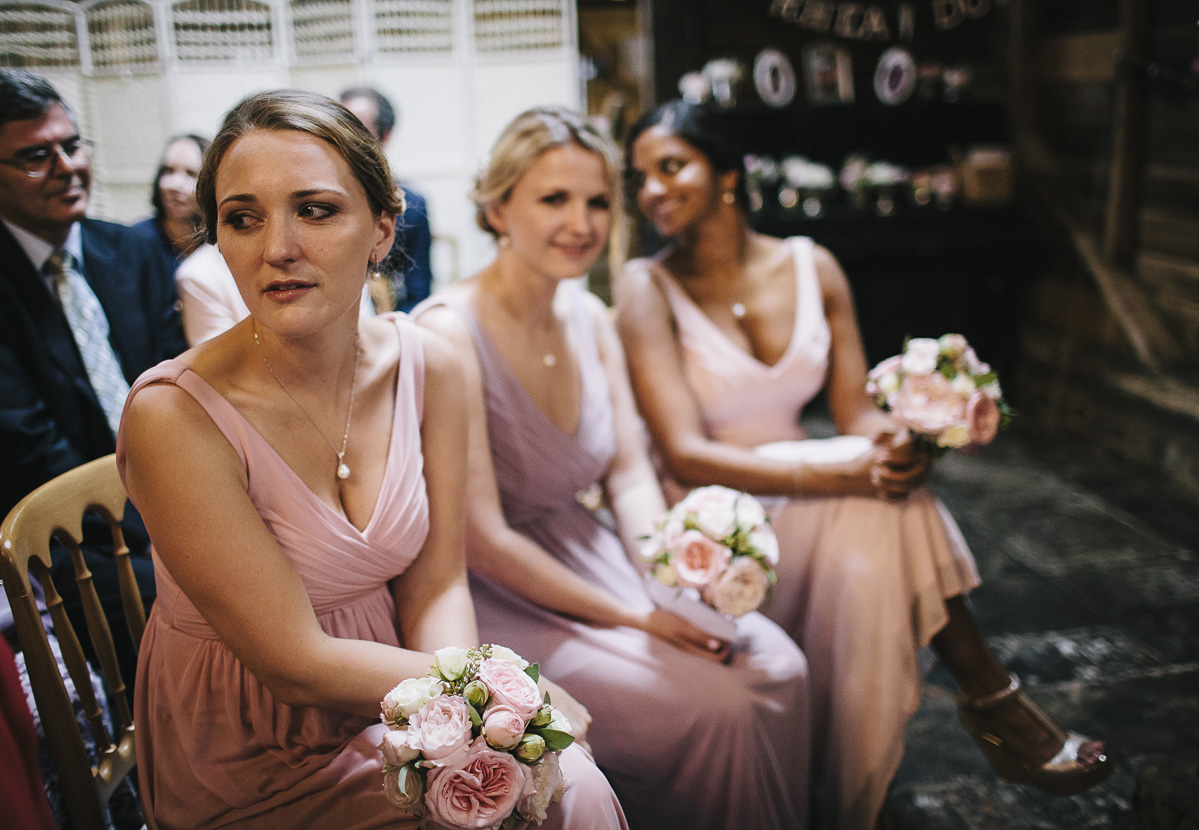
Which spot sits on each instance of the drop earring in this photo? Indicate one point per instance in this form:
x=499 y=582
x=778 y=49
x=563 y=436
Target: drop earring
x=503 y=240
x=379 y=289
x=728 y=197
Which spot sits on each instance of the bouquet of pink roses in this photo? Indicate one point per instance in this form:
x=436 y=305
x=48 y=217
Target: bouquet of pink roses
x=718 y=543
x=473 y=744
x=941 y=391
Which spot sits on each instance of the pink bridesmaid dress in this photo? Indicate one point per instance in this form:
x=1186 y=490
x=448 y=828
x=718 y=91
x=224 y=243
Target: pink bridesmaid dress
x=862 y=582
x=687 y=743
x=214 y=747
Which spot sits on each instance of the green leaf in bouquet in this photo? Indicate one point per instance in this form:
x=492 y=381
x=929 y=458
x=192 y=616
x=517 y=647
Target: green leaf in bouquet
x=545 y=700
x=475 y=719
x=983 y=380
x=533 y=671
x=555 y=739
x=406 y=773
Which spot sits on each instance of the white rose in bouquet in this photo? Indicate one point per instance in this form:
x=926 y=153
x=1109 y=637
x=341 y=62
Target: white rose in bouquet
x=406 y=699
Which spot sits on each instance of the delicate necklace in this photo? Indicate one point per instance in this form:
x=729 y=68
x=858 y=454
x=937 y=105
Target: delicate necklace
x=343 y=470
x=738 y=310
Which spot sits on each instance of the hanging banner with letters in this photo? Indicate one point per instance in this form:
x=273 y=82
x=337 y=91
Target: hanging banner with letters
x=874 y=21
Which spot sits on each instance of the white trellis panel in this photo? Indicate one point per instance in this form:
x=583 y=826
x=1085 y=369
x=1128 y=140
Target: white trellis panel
x=39 y=35
x=122 y=36
x=238 y=31
x=323 y=30
x=140 y=71
x=414 y=27
x=519 y=25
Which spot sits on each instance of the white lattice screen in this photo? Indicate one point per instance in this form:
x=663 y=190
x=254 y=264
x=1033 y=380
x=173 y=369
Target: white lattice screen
x=139 y=71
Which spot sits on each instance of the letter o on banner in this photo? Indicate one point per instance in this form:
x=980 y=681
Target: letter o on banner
x=774 y=78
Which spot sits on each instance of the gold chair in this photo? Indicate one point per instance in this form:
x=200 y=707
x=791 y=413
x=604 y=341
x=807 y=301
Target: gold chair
x=55 y=511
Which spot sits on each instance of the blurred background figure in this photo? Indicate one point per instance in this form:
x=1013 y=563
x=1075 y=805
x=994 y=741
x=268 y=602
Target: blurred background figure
x=408 y=266
x=85 y=307
x=175 y=225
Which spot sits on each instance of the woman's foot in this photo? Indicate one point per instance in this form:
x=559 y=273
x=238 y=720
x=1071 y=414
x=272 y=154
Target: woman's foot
x=1025 y=746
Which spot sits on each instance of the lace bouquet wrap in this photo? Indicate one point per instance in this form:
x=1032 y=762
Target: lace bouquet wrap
x=473 y=744
x=716 y=545
x=941 y=391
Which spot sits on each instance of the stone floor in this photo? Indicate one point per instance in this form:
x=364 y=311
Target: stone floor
x=1091 y=593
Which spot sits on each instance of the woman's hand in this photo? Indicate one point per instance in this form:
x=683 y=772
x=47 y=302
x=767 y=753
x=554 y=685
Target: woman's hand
x=900 y=465
x=682 y=634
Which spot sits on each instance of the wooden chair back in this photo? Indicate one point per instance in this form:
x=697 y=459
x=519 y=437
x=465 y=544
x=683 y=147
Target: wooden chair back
x=55 y=511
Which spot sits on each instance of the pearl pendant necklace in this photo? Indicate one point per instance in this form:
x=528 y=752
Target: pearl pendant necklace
x=549 y=359
x=343 y=469
x=738 y=310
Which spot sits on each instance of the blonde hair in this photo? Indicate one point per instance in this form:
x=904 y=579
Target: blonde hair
x=315 y=115
x=529 y=136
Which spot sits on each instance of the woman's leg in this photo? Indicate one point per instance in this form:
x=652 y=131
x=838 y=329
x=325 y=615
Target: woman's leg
x=991 y=702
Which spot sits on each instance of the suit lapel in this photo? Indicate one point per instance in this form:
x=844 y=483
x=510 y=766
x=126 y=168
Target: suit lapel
x=44 y=313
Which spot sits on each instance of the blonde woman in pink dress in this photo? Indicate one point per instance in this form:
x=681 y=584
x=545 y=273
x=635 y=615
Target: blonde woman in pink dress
x=301 y=477
x=694 y=733
x=729 y=334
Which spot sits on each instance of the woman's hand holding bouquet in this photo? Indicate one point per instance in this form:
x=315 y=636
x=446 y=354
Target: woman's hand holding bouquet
x=941 y=391
x=716 y=544
x=474 y=744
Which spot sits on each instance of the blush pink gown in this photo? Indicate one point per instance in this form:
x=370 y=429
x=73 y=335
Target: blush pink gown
x=862 y=582
x=687 y=743
x=214 y=748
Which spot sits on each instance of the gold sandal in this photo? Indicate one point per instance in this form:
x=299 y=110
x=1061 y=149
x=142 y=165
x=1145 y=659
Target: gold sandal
x=1066 y=773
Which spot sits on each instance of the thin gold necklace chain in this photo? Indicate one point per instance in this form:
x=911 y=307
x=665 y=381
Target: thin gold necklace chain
x=343 y=470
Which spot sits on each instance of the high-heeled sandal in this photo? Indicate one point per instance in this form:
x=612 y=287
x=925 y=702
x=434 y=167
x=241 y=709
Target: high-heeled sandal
x=1063 y=774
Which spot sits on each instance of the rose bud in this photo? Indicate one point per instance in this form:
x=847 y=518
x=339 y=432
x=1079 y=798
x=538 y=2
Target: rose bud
x=544 y=716
x=476 y=694
x=530 y=748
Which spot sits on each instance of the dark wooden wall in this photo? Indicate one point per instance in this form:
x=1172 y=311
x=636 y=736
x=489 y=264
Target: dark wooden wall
x=1105 y=113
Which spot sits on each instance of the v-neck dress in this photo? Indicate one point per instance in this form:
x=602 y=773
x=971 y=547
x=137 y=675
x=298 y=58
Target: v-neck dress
x=214 y=746
x=686 y=742
x=862 y=582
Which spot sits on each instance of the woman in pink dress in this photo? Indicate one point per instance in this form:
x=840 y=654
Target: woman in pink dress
x=729 y=334
x=301 y=476
x=694 y=733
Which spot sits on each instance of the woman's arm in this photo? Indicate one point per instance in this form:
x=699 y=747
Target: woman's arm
x=433 y=604
x=507 y=557
x=899 y=465
x=209 y=300
x=190 y=486
x=650 y=338
x=632 y=485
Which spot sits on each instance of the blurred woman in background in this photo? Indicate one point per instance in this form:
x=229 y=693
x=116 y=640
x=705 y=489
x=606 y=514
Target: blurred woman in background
x=176 y=224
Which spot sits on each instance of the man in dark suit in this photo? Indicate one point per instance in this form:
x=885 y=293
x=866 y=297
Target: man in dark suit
x=84 y=309
x=409 y=261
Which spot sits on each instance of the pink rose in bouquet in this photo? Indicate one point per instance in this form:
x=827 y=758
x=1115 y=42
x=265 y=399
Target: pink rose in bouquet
x=928 y=404
x=699 y=561
x=717 y=544
x=502 y=727
x=941 y=391
x=474 y=744
x=740 y=589
x=984 y=416
x=510 y=686
x=442 y=726
x=477 y=787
